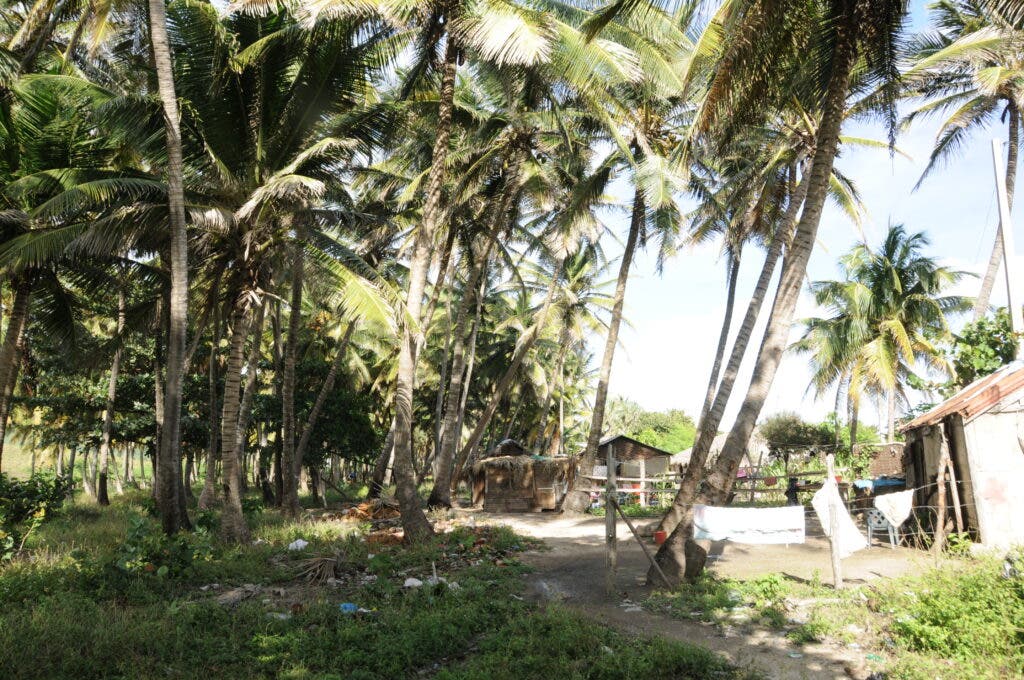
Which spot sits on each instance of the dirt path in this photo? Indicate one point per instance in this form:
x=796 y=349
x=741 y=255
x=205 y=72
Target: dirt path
x=573 y=572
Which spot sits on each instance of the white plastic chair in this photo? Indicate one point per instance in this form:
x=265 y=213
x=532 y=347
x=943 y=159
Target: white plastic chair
x=877 y=522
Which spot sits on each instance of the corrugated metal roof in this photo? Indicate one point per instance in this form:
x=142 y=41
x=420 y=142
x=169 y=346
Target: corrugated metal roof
x=977 y=398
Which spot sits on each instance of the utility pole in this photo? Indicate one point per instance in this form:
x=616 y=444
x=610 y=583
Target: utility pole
x=1006 y=229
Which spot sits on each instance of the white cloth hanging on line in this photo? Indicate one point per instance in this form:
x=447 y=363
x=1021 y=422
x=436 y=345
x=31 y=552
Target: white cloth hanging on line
x=896 y=507
x=849 y=538
x=759 y=526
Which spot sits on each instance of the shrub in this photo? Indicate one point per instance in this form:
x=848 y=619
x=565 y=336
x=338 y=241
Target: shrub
x=27 y=502
x=146 y=550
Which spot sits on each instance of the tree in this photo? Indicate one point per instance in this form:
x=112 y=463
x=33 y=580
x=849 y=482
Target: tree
x=980 y=348
x=854 y=28
x=172 y=512
x=972 y=68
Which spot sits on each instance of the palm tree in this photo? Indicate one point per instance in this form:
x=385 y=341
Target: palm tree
x=887 y=315
x=172 y=513
x=855 y=29
x=971 y=67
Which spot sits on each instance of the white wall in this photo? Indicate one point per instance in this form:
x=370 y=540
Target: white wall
x=997 y=472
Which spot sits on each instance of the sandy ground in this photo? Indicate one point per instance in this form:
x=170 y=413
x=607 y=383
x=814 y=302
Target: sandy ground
x=573 y=571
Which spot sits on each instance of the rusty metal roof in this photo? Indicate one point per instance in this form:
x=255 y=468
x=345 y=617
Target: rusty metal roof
x=977 y=398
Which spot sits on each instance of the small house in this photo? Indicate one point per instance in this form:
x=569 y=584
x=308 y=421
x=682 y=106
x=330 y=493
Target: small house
x=638 y=468
x=983 y=427
x=511 y=479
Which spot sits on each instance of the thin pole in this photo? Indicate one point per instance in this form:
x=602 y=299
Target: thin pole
x=609 y=523
x=1006 y=230
x=833 y=521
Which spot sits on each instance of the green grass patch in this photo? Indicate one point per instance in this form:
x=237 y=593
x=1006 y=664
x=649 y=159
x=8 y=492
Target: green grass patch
x=961 y=618
x=100 y=593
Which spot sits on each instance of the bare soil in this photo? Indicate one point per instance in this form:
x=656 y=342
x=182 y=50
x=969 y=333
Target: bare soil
x=573 y=572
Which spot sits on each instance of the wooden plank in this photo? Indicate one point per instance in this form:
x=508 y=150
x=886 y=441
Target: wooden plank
x=650 y=558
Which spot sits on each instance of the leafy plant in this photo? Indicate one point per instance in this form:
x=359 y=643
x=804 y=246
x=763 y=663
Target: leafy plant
x=146 y=550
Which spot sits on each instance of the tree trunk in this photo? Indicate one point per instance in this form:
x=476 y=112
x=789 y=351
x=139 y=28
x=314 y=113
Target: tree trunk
x=723 y=337
x=680 y=556
x=440 y=496
x=108 y=412
x=208 y=496
x=173 y=515
x=707 y=429
x=249 y=391
x=415 y=523
x=524 y=345
x=233 y=522
x=291 y=466
x=11 y=351
x=989 y=280
x=890 y=431
x=380 y=467
x=464 y=397
x=325 y=390
x=636 y=224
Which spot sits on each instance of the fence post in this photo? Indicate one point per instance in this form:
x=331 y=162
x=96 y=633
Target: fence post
x=609 y=522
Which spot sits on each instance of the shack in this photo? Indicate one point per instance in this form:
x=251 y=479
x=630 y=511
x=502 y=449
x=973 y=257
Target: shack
x=640 y=468
x=982 y=426
x=512 y=479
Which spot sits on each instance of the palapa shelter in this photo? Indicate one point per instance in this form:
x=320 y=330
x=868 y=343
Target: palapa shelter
x=636 y=464
x=511 y=479
x=983 y=427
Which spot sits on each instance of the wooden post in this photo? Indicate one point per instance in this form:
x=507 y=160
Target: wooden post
x=609 y=522
x=940 y=481
x=643 y=482
x=833 y=521
x=955 y=492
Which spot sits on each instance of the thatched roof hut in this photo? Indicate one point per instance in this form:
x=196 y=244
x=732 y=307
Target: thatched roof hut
x=519 y=483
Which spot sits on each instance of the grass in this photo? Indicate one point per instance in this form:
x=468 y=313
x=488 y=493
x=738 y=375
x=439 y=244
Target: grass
x=960 y=619
x=91 y=599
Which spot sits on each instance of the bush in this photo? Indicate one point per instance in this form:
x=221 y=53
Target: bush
x=27 y=502
x=146 y=550
x=963 y=613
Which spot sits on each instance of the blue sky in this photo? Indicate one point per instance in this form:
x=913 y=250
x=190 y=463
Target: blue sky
x=665 y=356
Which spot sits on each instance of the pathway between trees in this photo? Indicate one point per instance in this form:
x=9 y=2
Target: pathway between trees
x=573 y=572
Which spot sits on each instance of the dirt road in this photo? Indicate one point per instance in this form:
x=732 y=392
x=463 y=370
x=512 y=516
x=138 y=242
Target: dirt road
x=573 y=572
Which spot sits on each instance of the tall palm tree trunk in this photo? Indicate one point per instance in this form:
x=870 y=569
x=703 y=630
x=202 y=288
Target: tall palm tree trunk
x=467 y=383
x=233 y=522
x=325 y=390
x=11 y=351
x=291 y=466
x=723 y=337
x=415 y=523
x=208 y=496
x=108 y=412
x=708 y=427
x=636 y=223
x=989 y=281
x=523 y=347
x=249 y=390
x=680 y=556
x=172 y=513
x=440 y=495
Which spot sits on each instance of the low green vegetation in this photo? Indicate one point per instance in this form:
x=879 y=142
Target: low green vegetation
x=102 y=593
x=963 y=617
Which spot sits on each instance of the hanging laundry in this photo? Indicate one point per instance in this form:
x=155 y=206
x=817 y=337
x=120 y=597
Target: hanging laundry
x=849 y=538
x=761 y=526
x=896 y=507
